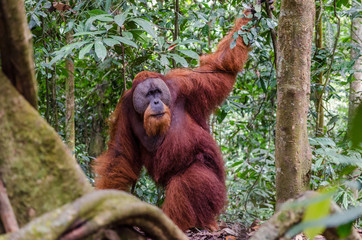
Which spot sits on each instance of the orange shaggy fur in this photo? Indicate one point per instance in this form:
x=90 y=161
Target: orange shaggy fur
x=178 y=153
x=156 y=125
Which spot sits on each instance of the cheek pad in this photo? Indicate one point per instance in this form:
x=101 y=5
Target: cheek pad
x=140 y=102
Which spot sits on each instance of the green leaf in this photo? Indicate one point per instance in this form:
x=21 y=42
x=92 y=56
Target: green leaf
x=205 y=30
x=164 y=60
x=125 y=41
x=146 y=26
x=344 y=230
x=189 y=53
x=90 y=33
x=108 y=4
x=59 y=55
x=179 y=59
x=232 y=44
x=333 y=120
x=110 y=42
x=121 y=18
x=85 y=50
x=100 y=50
x=315 y=211
x=324 y=141
x=102 y=17
x=96 y=12
x=335 y=220
x=262 y=84
x=236 y=35
x=245 y=39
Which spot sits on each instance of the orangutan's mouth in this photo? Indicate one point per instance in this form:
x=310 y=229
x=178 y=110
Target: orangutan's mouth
x=158 y=115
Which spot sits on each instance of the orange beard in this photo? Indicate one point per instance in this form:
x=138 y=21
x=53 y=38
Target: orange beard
x=156 y=125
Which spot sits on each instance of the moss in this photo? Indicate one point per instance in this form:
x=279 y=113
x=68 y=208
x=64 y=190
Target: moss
x=38 y=170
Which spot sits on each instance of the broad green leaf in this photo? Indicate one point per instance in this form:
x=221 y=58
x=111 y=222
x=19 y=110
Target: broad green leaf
x=164 y=60
x=127 y=35
x=333 y=120
x=205 y=30
x=90 y=33
x=236 y=35
x=178 y=59
x=103 y=18
x=335 y=220
x=100 y=50
x=189 y=53
x=119 y=19
x=316 y=211
x=108 y=4
x=232 y=44
x=96 y=12
x=262 y=84
x=146 y=26
x=36 y=19
x=85 y=50
x=125 y=41
x=344 y=230
x=59 y=55
x=245 y=39
x=324 y=141
x=110 y=42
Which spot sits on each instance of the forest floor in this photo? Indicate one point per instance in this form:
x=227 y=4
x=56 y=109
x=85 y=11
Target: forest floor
x=236 y=231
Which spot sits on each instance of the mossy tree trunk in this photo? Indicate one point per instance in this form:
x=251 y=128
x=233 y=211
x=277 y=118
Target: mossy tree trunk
x=36 y=167
x=355 y=95
x=69 y=95
x=293 y=157
x=319 y=93
x=16 y=49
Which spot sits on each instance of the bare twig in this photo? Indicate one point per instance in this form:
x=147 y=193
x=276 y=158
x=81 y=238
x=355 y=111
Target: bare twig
x=6 y=211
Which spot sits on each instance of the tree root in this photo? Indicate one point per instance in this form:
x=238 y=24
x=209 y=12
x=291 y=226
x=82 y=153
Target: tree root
x=97 y=210
x=6 y=211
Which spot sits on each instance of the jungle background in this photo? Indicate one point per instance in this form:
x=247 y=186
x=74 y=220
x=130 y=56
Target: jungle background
x=87 y=53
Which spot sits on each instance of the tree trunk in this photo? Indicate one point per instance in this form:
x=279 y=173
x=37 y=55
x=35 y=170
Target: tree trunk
x=38 y=171
x=319 y=93
x=293 y=156
x=176 y=30
x=16 y=49
x=69 y=95
x=355 y=95
x=54 y=101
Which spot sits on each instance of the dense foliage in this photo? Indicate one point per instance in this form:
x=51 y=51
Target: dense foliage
x=114 y=40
